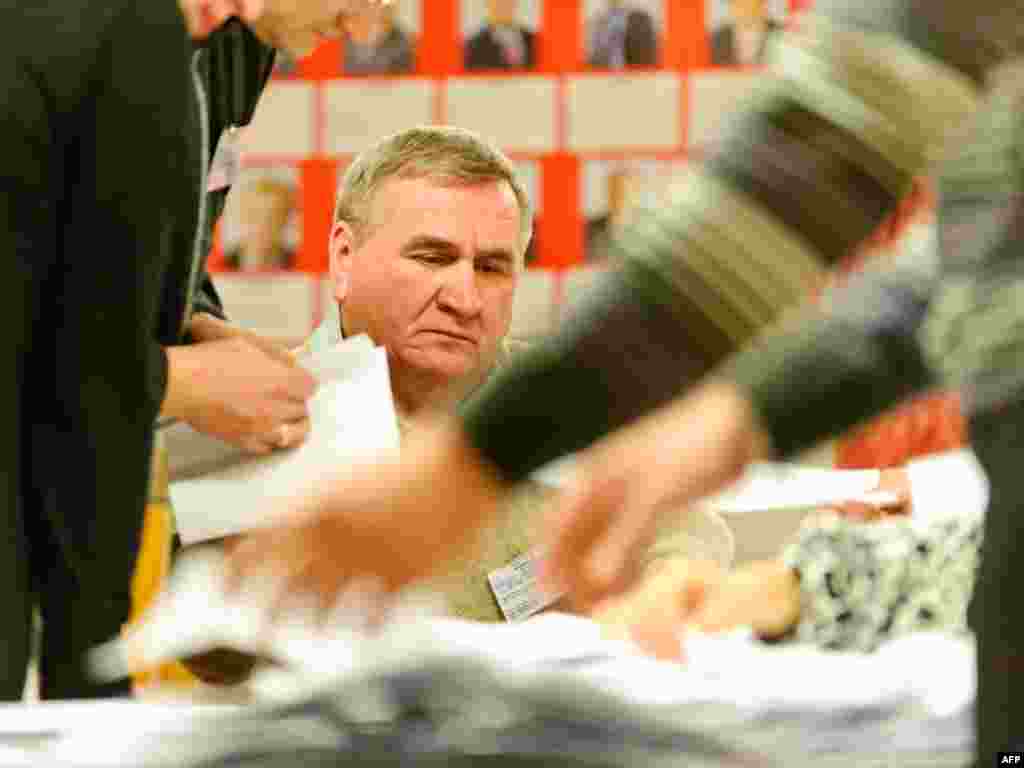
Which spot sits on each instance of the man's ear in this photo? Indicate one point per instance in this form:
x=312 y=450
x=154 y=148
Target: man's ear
x=342 y=248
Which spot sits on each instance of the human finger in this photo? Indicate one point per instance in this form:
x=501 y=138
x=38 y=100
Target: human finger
x=580 y=517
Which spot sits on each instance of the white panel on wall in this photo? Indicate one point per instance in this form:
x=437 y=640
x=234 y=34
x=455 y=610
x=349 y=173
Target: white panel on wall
x=624 y=111
x=516 y=113
x=283 y=121
x=533 y=312
x=279 y=305
x=714 y=98
x=361 y=112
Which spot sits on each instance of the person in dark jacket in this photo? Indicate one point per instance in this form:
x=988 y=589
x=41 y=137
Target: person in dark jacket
x=377 y=44
x=107 y=223
x=622 y=37
x=502 y=43
x=743 y=40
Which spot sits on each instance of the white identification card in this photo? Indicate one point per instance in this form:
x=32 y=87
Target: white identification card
x=227 y=161
x=516 y=589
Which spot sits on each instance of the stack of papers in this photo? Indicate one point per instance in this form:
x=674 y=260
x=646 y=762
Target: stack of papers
x=218 y=490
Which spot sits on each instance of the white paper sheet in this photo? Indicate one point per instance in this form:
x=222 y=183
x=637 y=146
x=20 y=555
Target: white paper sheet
x=768 y=486
x=218 y=491
x=46 y=718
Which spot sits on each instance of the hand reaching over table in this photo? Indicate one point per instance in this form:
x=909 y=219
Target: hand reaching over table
x=892 y=483
x=390 y=524
x=664 y=462
x=697 y=595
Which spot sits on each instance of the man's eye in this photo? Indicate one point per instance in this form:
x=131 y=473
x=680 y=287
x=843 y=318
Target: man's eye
x=491 y=267
x=431 y=258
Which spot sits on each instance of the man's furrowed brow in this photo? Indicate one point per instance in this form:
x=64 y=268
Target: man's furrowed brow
x=429 y=243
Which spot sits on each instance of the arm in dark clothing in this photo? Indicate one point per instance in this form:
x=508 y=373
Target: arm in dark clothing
x=28 y=232
x=744 y=241
x=235 y=68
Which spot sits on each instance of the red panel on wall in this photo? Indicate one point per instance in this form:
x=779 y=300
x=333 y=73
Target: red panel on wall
x=324 y=63
x=319 y=177
x=440 y=44
x=215 y=262
x=560 y=229
x=560 y=37
x=685 y=37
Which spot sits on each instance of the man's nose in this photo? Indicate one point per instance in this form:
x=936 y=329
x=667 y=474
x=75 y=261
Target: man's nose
x=459 y=290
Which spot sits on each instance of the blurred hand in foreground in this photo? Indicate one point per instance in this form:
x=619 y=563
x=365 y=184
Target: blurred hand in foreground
x=697 y=595
x=388 y=524
x=668 y=460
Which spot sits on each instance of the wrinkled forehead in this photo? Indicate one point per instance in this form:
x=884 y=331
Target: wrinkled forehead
x=426 y=205
x=356 y=6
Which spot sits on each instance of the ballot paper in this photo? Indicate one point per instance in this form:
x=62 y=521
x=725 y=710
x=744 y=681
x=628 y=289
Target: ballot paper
x=769 y=486
x=218 y=490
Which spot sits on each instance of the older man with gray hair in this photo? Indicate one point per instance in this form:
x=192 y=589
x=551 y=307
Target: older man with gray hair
x=427 y=247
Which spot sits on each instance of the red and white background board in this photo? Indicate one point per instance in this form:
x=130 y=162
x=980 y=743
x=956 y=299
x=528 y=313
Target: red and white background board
x=564 y=123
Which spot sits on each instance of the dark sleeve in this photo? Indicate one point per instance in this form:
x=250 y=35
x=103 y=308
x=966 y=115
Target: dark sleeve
x=28 y=229
x=801 y=177
x=473 y=52
x=529 y=40
x=405 y=59
x=721 y=47
x=206 y=299
x=641 y=40
x=237 y=67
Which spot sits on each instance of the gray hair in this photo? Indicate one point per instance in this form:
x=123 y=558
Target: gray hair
x=451 y=156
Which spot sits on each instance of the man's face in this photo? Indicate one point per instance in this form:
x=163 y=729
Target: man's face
x=502 y=11
x=265 y=215
x=747 y=11
x=298 y=26
x=620 y=183
x=434 y=278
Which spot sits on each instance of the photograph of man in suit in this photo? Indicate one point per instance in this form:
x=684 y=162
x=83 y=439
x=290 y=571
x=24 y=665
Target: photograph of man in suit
x=266 y=206
x=742 y=41
x=503 y=42
x=377 y=43
x=602 y=229
x=621 y=36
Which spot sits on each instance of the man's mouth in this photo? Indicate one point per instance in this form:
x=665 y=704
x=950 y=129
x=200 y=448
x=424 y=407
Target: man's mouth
x=453 y=335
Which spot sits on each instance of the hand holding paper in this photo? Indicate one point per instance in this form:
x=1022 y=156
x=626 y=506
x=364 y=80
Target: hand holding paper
x=218 y=490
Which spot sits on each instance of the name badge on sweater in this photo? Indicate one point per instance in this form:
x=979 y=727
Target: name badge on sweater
x=516 y=588
x=227 y=161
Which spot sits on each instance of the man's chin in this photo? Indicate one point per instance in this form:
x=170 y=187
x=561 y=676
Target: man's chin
x=446 y=369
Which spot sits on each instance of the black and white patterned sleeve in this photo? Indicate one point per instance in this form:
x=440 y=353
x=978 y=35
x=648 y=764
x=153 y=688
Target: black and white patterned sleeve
x=862 y=583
